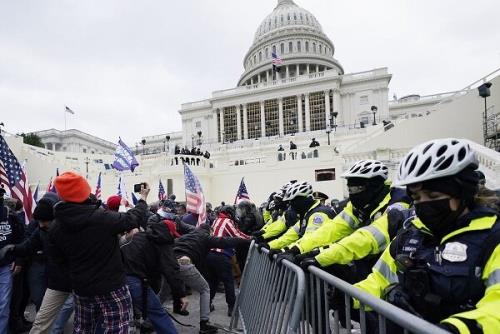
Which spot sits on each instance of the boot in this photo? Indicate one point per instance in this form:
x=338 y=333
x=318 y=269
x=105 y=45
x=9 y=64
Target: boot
x=207 y=328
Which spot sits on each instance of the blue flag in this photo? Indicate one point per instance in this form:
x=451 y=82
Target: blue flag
x=134 y=199
x=124 y=158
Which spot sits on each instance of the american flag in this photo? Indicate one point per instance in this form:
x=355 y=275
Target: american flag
x=52 y=188
x=242 y=193
x=119 y=191
x=35 y=195
x=277 y=62
x=98 y=187
x=13 y=177
x=161 y=192
x=195 y=200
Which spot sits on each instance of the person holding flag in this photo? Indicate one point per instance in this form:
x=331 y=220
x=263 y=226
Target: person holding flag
x=161 y=192
x=195 y=200
x=242 y=193
x=98 y=187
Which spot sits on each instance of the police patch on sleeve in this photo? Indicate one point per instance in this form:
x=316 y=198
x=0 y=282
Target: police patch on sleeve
x=318 y=220
x=455 y=252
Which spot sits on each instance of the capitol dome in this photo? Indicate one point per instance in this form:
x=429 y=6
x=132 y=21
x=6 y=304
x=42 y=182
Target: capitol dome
x=297 y=37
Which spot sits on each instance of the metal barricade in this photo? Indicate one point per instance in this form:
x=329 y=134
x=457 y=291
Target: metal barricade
x=271 y=295
x=317 y=317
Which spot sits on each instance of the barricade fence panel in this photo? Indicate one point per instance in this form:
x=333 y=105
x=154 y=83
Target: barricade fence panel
x=281 y=298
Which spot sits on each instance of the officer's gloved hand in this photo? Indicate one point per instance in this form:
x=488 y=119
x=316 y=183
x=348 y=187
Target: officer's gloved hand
x=285 y=256
x=336 y=299
x=449 y=327
x=273 y=252
x=309 y=261
x=6 y=250
x=262 y=245
x=299 y=258
x=395 y=295
x=257 y=236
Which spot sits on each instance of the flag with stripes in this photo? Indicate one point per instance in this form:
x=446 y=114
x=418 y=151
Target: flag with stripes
x=119 y=191
x=195 y=200
x=161 y=192
x=124 y=158
x=277 y=62
x=242 y=193
x=14 y=178
x=52 y=188
x=35 y=195
x=68 y=110
x=98 y=187
x=134 y=199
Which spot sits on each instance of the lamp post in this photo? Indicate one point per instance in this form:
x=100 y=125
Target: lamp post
x=374 y=111
x=484 y=92
x=87 y=161
x=168 y=143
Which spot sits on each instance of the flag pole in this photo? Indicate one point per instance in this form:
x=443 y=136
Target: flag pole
x=65 y=119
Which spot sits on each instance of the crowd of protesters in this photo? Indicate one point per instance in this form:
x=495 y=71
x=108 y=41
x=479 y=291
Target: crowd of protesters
x=111 y=264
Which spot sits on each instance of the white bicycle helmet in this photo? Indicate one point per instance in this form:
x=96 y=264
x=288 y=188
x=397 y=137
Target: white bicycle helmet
x=303 y=189
x=434 y=159
x=367 y=169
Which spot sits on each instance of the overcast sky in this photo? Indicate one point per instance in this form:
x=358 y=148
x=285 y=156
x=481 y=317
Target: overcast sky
x=125 y=66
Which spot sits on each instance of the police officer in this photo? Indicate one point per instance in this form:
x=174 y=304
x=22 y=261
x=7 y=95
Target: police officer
x=364 y=228
x=445 y=267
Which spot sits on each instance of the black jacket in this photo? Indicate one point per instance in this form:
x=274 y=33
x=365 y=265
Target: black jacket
x=11 y=232
x=198 y=243
x=150 y=255
x=180 y=226
x=84 y=240
x=38 y=243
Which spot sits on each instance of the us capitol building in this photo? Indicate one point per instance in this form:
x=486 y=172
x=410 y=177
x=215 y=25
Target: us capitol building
x=349 y=114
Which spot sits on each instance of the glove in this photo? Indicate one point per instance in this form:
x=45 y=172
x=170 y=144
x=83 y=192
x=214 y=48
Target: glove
x=299 y=258
x=294 y=250
x=273 y=252
x=395 y=295
x=336 y=299
x=257 y=233
x=6 y=250
x=262 y=245
x=285 y=256
x=310 y=261
x=449 y=327
x=290 y=218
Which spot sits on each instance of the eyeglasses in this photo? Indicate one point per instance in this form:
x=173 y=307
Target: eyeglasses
x=355 y=189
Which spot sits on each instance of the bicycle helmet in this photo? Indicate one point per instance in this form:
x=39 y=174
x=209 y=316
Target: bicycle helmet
x=303 y=189
x=435 y=159
x=367 y=169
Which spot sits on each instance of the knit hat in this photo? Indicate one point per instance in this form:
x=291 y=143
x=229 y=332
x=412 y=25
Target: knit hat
x=72 y=187
x=44 y=210
x=113 y=202
x=51 y=197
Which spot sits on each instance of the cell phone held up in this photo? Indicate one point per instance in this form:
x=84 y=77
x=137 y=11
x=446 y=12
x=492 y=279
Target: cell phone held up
x=137 y=187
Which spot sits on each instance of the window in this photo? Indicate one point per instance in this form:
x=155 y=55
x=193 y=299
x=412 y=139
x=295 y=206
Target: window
x=253 y=120
x=325 y=174
x=218 y=126
x=241 y=121
x=282 y=48
x=307 y=46
x=230 y=129
x=295 y=16
x=84 y=150
x=320 y=48
x=290 y=116
x=260 y=56
x=317 y=110
x=288 y=17
x=281 y=18
x=267 y=53
x=274 y=48
x=272 y=117
x=255 y=59
x=198 y=124
x=299 y=48
x=314 y=47
x=290 y=47
x=363 y=100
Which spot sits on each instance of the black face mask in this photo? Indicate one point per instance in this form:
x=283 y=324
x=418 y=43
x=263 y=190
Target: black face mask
x=437 y=216
x=301 y=204
x=361 y=200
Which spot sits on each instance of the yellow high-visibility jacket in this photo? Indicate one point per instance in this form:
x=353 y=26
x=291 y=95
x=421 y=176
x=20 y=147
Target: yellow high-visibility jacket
x=457 y=257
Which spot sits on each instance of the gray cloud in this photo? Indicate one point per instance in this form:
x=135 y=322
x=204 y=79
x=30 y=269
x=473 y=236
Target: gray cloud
x=126 y=66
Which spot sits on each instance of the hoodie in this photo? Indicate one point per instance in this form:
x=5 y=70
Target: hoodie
x=84 y=241
x=150 y=254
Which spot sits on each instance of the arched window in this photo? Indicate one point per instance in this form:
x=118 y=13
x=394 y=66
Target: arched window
x=290 y=47
x=282 y=48
x=295 y=16
x=320 y=48
x=288 y=17
x=281 y=18
x=255 y=59
x=260 y=56
x=307 y=18
x=299 y=47
x=267 y=53
x=314 y=47
x=274 y=48
x=301 y=17
x=307 y=46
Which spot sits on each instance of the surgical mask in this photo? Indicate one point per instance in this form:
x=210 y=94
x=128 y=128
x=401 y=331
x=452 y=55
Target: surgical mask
x=437 y=216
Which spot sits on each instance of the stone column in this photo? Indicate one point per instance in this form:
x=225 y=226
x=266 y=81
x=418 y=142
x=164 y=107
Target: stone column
x=267 y=76
x=245 y=122
x=327 y=108
x=258 y=78
x=297 y=71
x=287 y=75
x=336 y=105
x=299 y=113
x=251 y=81
x=280 y=116
x=262 y=120
x=238 y=122
x=222 y=134
x=317 y=68
x=308 y=113
x=307 y=69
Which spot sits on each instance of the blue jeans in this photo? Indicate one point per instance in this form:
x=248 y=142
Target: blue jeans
x=63 y=316
x=5 y=293
x=155 y=312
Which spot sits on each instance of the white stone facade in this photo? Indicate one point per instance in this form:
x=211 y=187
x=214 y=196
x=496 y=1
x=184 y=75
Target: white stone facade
x=74 y=141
